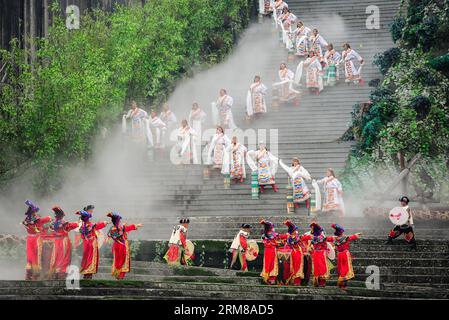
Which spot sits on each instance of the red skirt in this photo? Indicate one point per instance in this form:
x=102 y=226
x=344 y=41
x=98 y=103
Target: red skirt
x=296 y=265
x=319 y=263
x=173 y=255
x=121 y=258
x=344 y=266
x=270 y=264
x=34 y=252
x=89 y=263
x=62 y=254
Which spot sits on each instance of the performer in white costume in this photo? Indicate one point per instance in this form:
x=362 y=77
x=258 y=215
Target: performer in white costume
x=217 y=148
x=221 y=111
x=158 y=130
x=302 y=34
x=197 y=115
x=333 y=193
x=318 y=43
x=169 y=118
x=140 y=129
x=348 y=58
x=239 y=246
x=298 y=174
x=177 y=253
x=234 y=161
x=285 y=86
x=185 y=146
x=266 y=165
x=314 y=73
x=255 y=99
x=331 y=71
x=279 y=6
x=287 y=18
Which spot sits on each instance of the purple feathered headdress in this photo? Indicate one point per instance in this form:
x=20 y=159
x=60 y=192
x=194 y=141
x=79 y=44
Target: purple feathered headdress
x=32 y=208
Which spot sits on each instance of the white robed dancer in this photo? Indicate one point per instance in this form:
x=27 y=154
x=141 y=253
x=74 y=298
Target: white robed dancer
x=158 y=130
x=221 y=111
x=285 y=86
x=266 y=165
x=185 y=146
x=234 y=161
x=331 y=71
x=255 y=99
x=298 y=175
x=279 y=6
x=333 y=193
x=318 y=43
x=169 y=118
x=197 y=115
x=217 y=148
x=314 y=73
x=349 y=56
x=140 y=128
x=302 y=34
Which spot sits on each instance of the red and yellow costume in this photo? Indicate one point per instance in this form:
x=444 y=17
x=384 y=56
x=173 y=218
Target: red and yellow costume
x=321 y=271
x=62 y=246
x=34 y=226
x=293 y=268
x=270 y=262
x=239 y=247
x=88 y=231
x=177 y=245
x=344 y=258
x=121 y=253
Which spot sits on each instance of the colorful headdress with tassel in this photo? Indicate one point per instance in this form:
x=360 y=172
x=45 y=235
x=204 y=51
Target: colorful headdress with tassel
x=338 y=229
x=115 y=217
x=291 y=226
x=32 y=208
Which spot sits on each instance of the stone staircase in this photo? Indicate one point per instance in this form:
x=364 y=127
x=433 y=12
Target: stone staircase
x=157 y=192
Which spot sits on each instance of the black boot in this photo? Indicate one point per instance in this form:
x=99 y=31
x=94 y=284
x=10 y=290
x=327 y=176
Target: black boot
x=389 y=241
x=413 y=246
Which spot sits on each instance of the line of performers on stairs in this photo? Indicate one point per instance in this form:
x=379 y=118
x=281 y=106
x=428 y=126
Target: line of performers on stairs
x=322 y=61
x=49 y=248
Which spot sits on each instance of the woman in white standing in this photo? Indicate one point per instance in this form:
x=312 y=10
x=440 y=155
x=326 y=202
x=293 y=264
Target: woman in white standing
x=314 y=75
x=185 y=146
x=317 y=43
x=349 y=56
x=217 y=148
x=285 y=86
x=333 y=193
x=302 y=34
x=197 y=115
x=298 y=174
x=234 y=161
x=266 y=165
x=255 y=99
x=221 y=111
x=158 y=129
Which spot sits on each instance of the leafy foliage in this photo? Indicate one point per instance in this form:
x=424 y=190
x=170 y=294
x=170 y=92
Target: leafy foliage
x=82 y=79
x=408 y=110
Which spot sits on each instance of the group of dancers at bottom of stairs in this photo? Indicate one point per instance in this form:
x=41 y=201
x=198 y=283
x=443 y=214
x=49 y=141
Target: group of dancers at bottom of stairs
x=49 y=248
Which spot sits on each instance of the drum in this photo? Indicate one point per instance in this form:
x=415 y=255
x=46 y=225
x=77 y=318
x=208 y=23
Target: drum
x=190 y=249
x=330 y=251
x=398 y=216
x=253 y=250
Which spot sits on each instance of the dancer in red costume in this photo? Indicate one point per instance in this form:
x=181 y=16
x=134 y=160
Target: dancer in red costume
x=320 y=266
x=293 y=269
x=62 y=246
x=121 y=253
x=270 y=262
x=89 y=230
x=34 y=225
x=344 y=258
